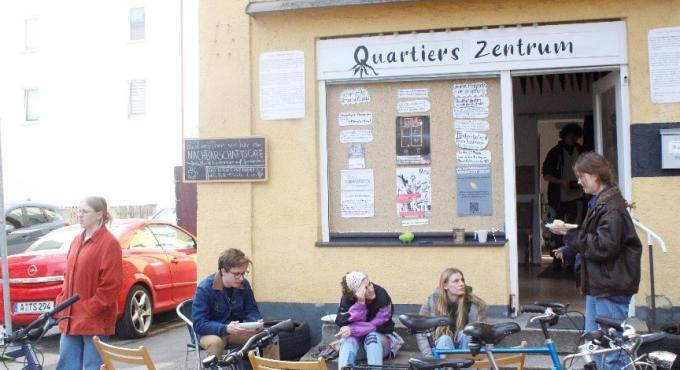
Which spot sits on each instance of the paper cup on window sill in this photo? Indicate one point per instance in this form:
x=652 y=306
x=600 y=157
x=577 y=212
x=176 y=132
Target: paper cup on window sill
x=481 y=235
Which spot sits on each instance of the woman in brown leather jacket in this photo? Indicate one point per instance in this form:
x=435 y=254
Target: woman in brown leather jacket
x=607 y=242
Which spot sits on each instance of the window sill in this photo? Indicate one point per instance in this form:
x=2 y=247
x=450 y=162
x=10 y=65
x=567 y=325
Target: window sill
x=431 y=239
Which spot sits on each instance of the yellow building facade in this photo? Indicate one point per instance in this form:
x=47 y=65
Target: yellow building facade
x=287 y=223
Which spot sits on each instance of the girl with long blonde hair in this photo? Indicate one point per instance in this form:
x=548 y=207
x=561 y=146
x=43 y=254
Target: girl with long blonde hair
x=452 y=298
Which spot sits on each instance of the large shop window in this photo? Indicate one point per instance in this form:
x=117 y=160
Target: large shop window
x=423 y=156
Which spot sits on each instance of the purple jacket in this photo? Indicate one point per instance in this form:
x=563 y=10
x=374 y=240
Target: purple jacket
x=363 y=318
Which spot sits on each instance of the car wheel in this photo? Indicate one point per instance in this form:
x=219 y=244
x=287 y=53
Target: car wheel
x=138 y=315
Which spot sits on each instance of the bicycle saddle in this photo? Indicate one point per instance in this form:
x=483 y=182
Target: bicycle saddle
x=491 y=333
x=421 y=323
x=437 y=363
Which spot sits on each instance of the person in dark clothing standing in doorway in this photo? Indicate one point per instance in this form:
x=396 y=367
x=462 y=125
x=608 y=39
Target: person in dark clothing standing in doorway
x=565 y=196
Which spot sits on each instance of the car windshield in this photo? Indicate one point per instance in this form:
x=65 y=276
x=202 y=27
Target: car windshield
x=63 y=238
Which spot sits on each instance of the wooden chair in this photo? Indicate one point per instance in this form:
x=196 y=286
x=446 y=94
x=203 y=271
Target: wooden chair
x=261 y=363
x=482 y=362
x=110 y=353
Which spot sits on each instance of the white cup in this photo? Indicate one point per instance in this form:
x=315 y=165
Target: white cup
x=481 y=235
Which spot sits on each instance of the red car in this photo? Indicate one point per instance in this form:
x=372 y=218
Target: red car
x=159 y=272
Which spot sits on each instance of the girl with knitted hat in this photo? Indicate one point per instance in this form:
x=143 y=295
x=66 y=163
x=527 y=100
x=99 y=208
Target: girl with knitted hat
x=365 y=321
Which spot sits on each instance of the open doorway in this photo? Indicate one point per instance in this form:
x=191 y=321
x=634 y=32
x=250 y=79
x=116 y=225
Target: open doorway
x=544 y=104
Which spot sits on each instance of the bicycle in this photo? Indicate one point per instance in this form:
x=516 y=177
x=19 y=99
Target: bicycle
x=33 y=332
x=485 y=337
x=614 y=336
x=234 y=360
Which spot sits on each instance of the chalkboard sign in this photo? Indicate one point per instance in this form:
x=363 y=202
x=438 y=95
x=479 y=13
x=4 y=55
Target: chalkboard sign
x=229 y=159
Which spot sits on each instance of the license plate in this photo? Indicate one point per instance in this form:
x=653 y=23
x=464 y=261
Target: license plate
x=33 y=307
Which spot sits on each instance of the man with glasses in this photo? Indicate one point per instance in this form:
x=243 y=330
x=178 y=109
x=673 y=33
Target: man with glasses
x=223 y=301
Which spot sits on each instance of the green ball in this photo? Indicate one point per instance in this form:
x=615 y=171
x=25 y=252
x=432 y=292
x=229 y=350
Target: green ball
x=406 y=237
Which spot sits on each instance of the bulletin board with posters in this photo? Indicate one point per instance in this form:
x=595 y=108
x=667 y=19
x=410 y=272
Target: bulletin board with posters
x=423 y=156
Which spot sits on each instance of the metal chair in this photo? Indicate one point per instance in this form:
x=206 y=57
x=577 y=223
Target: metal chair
x=133 y=356
x=184 y=312
x=261 y=363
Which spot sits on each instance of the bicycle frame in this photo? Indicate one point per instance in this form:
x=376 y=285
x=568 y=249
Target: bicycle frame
x=27 y=352
x=489 y=349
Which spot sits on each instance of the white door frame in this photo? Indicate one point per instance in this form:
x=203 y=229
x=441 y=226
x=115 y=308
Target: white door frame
x=619 y=79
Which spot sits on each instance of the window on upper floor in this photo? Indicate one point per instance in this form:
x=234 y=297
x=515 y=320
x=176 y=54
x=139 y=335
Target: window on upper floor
x=30 y=34
x=137 y=99
x=137 y=24
x=31 y=104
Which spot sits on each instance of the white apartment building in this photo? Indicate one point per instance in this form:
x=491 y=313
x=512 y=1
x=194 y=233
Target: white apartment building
x=91 y=99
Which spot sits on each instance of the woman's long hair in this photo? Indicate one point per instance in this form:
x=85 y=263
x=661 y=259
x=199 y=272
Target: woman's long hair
x=443 y=303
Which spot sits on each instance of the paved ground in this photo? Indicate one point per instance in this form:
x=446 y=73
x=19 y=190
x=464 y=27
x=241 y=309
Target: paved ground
x=166 y=344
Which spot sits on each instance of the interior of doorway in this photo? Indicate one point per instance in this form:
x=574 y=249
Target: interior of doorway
x=543 y=105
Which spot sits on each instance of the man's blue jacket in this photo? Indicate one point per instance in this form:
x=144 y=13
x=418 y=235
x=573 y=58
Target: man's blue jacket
x=215 y=306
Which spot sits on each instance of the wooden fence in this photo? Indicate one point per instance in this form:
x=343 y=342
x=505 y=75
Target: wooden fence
x=138 y=211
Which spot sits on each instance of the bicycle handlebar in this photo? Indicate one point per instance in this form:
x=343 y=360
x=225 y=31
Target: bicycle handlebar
x=283 y=326
x=610 y=323
x=44 y=317
x=530 y=308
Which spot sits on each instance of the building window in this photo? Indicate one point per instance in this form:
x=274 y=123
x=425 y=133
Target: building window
x=137 y=24
x=137 y=99
x=31 y=104
x=31 y=34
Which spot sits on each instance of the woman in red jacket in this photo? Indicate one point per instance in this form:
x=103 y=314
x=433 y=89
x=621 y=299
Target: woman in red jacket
x=93 y=270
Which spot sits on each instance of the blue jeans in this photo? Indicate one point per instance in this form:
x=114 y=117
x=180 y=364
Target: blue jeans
x=78 y=352
x=373 y=347
x=445 y=342
x=462 y=342
x=614 y=310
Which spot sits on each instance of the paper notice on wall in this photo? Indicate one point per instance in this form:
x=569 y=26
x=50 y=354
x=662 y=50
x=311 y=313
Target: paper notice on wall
x=471 y=140
x=409 y=222
x=355 y=118
x=356 y=156
x=356 y=136
x=414 y=192
x=413 y=106
x=413 y=140
x=356 y=193
x=412 y=93
x=464 y=156
x=674 y=147
x=471 y=125
x=664 y=68
x=473 y=191
x=355 y=96
x=469 y=89
x=470 y=107
x=282 y=85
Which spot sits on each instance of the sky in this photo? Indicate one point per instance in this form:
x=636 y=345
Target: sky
x=84 y=143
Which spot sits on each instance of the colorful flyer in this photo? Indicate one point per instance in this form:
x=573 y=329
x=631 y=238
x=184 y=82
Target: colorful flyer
x=414 y=192
x=413 y=140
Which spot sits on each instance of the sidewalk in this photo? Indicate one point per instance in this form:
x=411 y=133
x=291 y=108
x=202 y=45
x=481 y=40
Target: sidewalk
x=166 y=344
